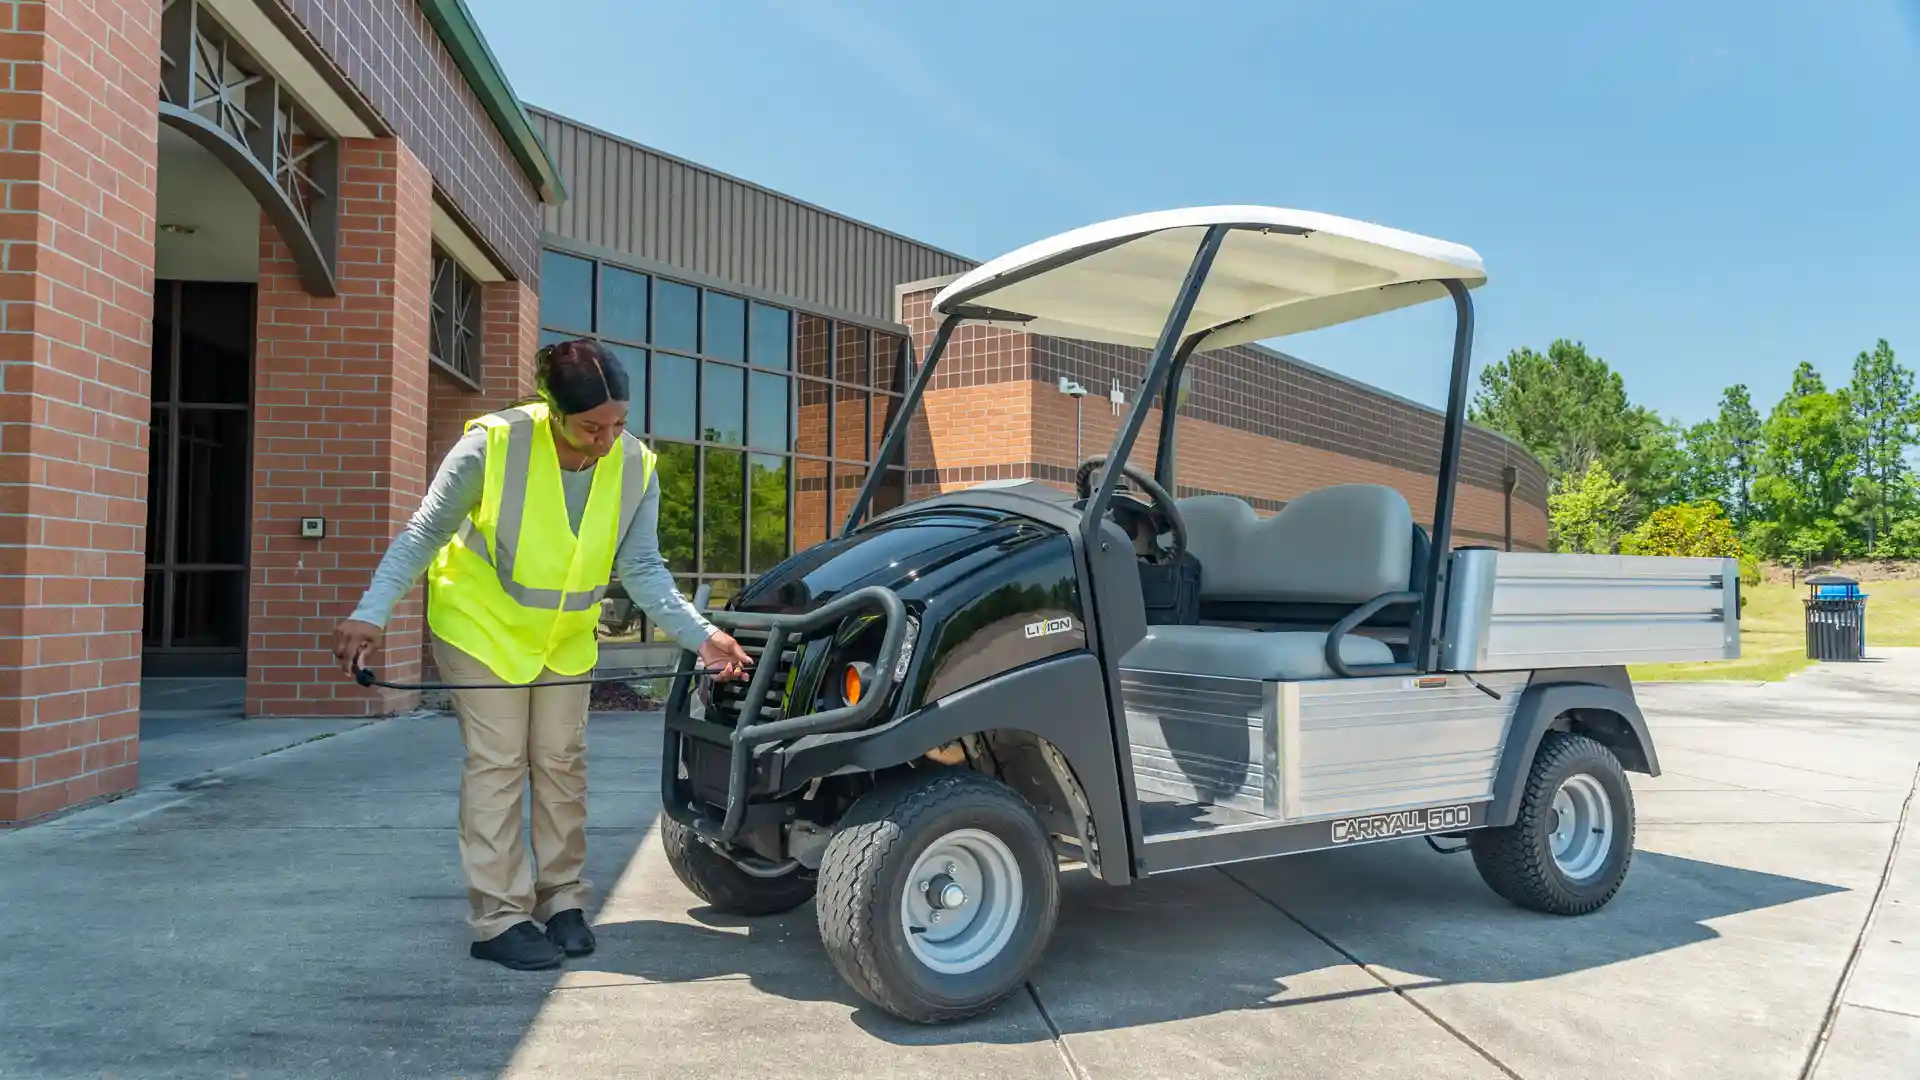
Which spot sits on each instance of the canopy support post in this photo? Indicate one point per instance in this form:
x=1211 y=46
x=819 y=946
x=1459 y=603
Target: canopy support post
x=1163 y=460
x=1427 y=642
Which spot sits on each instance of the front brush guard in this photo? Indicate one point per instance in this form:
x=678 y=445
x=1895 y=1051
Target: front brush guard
x=747 y=738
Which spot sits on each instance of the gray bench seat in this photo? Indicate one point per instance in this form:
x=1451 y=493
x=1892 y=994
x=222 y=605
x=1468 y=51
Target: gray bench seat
x=1234 y=653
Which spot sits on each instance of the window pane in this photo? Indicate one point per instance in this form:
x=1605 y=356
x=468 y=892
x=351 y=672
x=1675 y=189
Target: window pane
x=673 y=383
x=210 y=609
x=159 y=482
x=772 y=338
x=216 y=342
x=210 y=525
x=892 y=492
x=635 y=361
x=676 y=315
x=566 y=291
x=889 y=362
x=816 y=347
x=850 y=355
x=882 y=414
x=723 y=416
x=552 y=337
x=849 y=423
x=623 y=304
x=724 y=589
x=767 y=412
x=810 y=425
x=809 y=503
x=721 y=516
x=767 y=525
x=161 y=384
x=675 y=470
x=846 y=487
x=726 y=326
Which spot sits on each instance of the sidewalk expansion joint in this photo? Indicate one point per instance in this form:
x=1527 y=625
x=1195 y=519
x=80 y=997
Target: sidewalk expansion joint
x=1059 y=1038
x=1819 y=1048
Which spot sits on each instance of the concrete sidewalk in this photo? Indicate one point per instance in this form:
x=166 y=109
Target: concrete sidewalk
x=299 y=915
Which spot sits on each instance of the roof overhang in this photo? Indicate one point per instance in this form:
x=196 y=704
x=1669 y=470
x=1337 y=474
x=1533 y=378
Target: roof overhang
x=1278 y=272
x=461 y=35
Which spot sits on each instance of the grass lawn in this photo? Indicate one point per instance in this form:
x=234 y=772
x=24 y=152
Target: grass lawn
x=1773 y=636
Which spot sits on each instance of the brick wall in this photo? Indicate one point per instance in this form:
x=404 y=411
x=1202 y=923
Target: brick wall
x=340 y=431
x=78 y=159
x=390 y=53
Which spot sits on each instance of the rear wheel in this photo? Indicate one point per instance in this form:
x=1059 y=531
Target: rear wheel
x=937 y=895
x=726 y=886
x=1567 y=852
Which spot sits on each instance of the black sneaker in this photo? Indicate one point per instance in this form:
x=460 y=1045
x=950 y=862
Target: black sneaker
x=568 y=930
x=521 y=948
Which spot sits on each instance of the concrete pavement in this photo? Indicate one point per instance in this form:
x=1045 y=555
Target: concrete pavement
x=299 y=915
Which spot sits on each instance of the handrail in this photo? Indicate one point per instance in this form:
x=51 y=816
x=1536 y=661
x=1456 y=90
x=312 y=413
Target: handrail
x=1352 y=621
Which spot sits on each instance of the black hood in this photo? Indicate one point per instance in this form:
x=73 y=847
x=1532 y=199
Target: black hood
x=915 y=553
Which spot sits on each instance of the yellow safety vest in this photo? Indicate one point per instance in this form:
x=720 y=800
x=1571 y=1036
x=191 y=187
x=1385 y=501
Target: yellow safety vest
x=516 y=588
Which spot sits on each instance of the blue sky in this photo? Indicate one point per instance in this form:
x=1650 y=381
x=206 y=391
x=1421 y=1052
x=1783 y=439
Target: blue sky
x=1703 y=193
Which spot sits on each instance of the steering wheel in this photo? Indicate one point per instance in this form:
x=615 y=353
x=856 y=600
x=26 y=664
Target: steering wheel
x=1156 y=516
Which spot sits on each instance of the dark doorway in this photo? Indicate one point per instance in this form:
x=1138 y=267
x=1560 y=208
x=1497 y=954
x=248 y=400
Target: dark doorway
x=199 y=480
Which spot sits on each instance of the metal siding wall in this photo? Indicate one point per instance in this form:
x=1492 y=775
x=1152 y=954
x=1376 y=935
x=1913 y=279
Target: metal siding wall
x=626 y=198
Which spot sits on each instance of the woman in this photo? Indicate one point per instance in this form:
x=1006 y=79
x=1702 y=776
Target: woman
x=519 y=535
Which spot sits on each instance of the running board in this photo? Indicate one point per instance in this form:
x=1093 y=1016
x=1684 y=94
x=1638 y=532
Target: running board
x=1250 y=839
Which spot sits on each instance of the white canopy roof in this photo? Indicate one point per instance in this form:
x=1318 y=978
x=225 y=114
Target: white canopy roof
x=1285 y=272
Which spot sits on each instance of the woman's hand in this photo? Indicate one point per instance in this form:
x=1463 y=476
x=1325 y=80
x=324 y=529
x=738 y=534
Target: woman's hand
x=721 y=651
x=352 y=641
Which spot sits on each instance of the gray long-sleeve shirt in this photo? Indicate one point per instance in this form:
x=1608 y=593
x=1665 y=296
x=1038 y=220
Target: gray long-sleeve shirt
x=456 y=490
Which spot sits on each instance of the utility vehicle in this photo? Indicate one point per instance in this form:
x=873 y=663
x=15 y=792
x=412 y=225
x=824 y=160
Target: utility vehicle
x=955 y=699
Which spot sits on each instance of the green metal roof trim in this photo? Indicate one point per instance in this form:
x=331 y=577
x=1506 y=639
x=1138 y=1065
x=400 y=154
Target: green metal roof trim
x=455 y=25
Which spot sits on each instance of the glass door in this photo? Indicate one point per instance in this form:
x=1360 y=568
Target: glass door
x=199 y=487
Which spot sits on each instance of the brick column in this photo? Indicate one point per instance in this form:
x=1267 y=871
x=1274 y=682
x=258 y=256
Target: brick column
x=79 y=154
x=340 y=432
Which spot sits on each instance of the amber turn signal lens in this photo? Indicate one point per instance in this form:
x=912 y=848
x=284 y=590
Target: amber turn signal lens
x=851 y=684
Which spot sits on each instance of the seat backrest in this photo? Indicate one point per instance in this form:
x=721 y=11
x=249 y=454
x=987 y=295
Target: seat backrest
x=1343 y=545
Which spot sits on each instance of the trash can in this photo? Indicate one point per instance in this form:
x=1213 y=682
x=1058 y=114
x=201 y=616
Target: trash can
x=1836 y=619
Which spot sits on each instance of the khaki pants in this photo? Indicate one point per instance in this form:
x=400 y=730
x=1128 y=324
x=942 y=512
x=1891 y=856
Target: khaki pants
x=525 y=737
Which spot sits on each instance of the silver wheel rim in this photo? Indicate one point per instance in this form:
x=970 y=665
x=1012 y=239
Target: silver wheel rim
x=962 y=901
x=1582 y=826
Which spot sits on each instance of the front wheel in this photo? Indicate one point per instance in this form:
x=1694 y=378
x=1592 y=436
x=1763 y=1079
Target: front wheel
x=1567 y=852
x=723 y=884
x=937 y=896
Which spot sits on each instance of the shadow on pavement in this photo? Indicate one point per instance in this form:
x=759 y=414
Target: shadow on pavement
x=1256 y=937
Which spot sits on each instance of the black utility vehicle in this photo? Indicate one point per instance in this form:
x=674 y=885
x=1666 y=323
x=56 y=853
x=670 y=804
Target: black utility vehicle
x=955 y=698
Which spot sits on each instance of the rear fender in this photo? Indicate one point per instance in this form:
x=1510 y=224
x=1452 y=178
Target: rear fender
x=1607 y=714
x=1042 y=728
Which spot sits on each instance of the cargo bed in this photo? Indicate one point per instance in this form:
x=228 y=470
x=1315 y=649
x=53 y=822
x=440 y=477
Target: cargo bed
x=1514 y=611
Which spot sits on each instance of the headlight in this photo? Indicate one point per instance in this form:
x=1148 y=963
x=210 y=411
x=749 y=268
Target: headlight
x=855 y=678
x=851 y=667
x=906 y=650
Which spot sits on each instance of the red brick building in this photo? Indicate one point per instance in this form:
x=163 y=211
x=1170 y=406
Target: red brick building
x=263 y=257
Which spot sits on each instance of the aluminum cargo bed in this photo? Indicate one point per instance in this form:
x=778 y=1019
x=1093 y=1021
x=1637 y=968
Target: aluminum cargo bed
x=1522 y=610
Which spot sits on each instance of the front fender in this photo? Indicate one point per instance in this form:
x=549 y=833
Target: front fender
x=1607 y=714
x=1060 y=700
